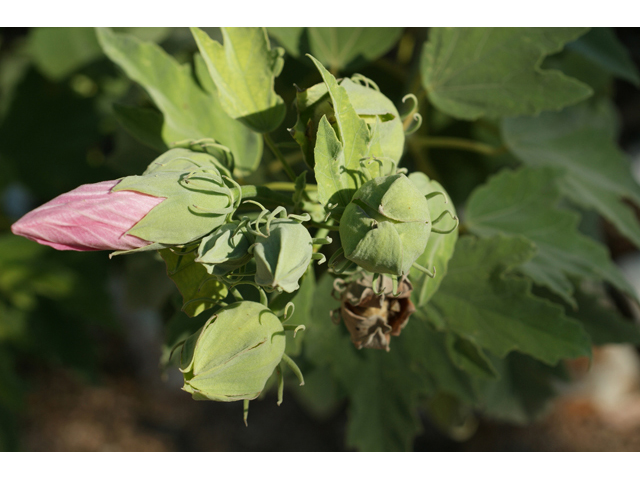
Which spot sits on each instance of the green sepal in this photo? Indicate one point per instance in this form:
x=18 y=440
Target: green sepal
x=196 y=202
x=339 y=149
x=370 y=105
x=440 y=246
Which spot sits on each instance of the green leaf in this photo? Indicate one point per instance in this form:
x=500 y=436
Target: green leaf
x=321 y=395
x=58 y=52
x=601 y=47
x=474 y=72
x=244 y=70
x=189 y=112
x=338 y=152
x=468 y=357
x=523 y=392
x=578 y=142
x=440 y=246
x=480 y=303
x=601 y=320
x=383 y=387
x=290 y=38
x=342 y=47
x=200 y=291
x=145 y=124
x=441 y=369
x=525 y=203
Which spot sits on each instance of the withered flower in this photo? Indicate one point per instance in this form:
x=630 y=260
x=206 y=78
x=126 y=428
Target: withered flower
x=371 y=319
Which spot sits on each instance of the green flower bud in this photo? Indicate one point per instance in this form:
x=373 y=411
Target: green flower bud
x=234 y=354
x=371 y=105
x=226 y=249
x=386 y=226
x=283 y=256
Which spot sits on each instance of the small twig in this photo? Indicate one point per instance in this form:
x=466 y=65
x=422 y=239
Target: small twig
x=276 y=151
x=459 y=144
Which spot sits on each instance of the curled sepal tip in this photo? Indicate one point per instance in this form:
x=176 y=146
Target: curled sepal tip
x=286 y=359
x=245 y=412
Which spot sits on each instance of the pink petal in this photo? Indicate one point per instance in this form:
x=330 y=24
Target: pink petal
x=91 y=217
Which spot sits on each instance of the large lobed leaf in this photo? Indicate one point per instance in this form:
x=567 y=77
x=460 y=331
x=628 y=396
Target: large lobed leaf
x=244 y=69
x=579 y=143
x=474 y=72
x=189 y=112
x=525 y=203
x=383 y=387
x=480 y=303
x=601 y=48
x=338 y=48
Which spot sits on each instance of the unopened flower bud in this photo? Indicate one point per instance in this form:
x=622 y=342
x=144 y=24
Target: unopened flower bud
x=386 y=226
x=90 y=217
x=283 y=256
x=225 y=249
x=234 y=354
x=371 y=105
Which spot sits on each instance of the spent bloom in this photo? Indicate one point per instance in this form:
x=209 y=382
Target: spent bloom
x=90 y=217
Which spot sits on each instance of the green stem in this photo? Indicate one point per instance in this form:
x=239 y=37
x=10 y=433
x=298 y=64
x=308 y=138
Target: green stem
x=276 y=151
x=324 y=226
x=459 y=144
x=261 y=193
x=289 y=186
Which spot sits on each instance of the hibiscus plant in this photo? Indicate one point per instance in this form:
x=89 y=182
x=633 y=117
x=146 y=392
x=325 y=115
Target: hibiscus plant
x=404 y=229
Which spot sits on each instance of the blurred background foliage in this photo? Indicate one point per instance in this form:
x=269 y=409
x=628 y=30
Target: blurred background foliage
x=72 y=318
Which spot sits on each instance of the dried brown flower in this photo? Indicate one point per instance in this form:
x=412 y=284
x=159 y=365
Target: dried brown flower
x=371 y=319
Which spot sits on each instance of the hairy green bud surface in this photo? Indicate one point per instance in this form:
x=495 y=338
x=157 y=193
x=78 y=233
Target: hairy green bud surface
x=226 y=249
x=283 y=256
x=370 y=105
x=385 y=227
x=233 y=355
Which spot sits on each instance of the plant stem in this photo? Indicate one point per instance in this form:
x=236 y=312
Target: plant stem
x=276 y=151
x=459 y=144
x=289 y=186
x=333 y=228
x=265 y=194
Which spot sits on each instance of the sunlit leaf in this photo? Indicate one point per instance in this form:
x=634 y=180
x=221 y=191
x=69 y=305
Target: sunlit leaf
x=244 y=69
x=473 y=72
x=338 y=48
x=189 y=112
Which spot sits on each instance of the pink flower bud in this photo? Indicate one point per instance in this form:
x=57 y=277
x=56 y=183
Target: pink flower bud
x=91 y=217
